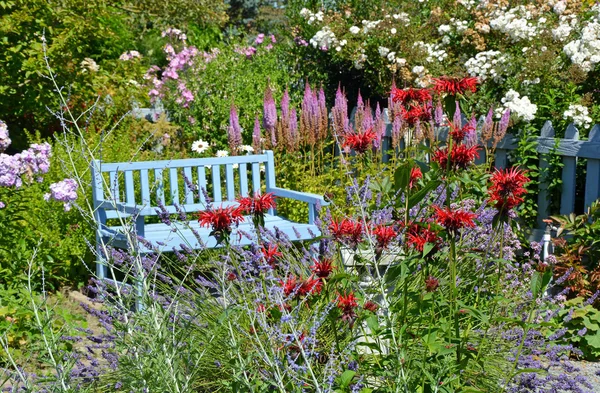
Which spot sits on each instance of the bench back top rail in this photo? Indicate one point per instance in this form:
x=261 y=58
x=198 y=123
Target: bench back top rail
x=183 y=183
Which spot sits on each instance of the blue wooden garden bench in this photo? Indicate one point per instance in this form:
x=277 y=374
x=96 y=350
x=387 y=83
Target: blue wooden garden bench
x=128 y=197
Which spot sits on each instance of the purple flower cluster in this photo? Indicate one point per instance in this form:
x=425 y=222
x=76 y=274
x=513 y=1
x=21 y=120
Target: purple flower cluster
x=64 y=191
x=4 y=139
x=32 y=162
x=234 y=131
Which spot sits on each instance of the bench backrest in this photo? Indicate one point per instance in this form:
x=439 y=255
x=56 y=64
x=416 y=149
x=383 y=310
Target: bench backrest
x=172 y=182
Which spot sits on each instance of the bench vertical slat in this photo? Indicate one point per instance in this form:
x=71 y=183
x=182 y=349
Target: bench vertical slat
x=129 y=188
x=243 y=180
x=567 y=197
x=145 y=187
x=255 y=177
x=547 y=131
x=592 y=179
x=270 y=175
x=229 y=182
x=113 y=177
x=216 y=180
x=201 y=183
x=189 y=194
x=160 y=187
x=174 y=185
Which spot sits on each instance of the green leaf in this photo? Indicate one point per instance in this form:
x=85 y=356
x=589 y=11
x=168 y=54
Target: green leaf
x=418 y=196
x=402 y=176
x=346 y=378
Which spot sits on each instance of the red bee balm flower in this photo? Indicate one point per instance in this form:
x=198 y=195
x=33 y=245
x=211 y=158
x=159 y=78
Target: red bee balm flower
x=416 y=113
x=454 y=86
x=384 y=235
x=257 y=206
x=415 y=174
x=418 y=236
x=410 y=95
x=347 y=231
x=369 y=305
x=221 y=220
x=289 y=286
x=271 y=254
x=360 y=142
x=347 y=303
x=453 y=220
x=507 y=188
x=460 y=157
x=431 y=284
x=322 y=269
x=310 y=286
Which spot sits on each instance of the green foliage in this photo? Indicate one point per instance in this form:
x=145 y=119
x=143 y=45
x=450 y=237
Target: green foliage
x=583 y=327
x=526 y=157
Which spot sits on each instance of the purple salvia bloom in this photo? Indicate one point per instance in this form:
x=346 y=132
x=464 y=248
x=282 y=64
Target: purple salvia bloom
x=270 y=115
x=234 y=131
x=256 y=136
x=457 y=119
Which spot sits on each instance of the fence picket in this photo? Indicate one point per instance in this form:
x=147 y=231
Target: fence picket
x=592 y=180
x=567 y=198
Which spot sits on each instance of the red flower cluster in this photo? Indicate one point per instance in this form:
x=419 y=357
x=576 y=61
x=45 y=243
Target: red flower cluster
x=409 y=96
x=418 y=236
x=221 y=219
x=271 y=254
x=322 y=269
x=258 y=204
x=301 y=288
x=384 y=235
x=507 y=188
x=347 y=231
x=415 y=174
x=371 y=306
x=414 y=113
x=360 y=142
x=453 y=220
x=460 y=157
x=347 y=303
x=454 y=86
x=459 y=134
x=431 y=284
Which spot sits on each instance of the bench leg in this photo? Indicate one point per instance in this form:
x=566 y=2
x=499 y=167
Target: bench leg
x=101 y=260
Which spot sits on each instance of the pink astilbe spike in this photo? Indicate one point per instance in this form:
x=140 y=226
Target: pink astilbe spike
x=234 y=131
x=283 y=126
x=306 y=134
x=270 y=115
x=457 y=120
x=438 y=116
x=488 y=126
x=379 y=127
x=340 y=113
x=294 y=137
x=502 y=127
x=471 y=132
x=397 y=131
x=359 y=114
x=323 y=116
x=256 y=137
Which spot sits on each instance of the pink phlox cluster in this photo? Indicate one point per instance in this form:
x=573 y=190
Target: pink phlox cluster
x=247 y=51
x=186 y=96
x=31 y=162
x=64 y=191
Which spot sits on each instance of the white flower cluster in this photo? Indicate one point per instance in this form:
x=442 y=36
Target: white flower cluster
x=310 y=17
x=354 y=29
x=585 y=51
x=88 y=64
x=579 y=114
x=423 y=79
x=403 y=18
x=516 y=23
x=459 y=25
x=325 y=39
x=391 y=56
x=519 y=106
x=360 y=62
x=434 y=51
x=489 y=64
x=369 y=25
x=559 y=7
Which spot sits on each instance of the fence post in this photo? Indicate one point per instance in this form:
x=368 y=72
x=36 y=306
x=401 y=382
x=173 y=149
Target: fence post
x=547 y=131
x=567 y=197
x=592 y=180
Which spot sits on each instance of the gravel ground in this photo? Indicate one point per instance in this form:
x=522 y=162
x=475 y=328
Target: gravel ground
x=589 y=370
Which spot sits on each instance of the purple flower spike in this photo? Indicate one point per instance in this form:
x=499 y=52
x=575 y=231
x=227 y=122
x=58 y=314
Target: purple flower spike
x=256 y=143
x=503 y=125
x=439 y=114
x=471 y=135
x=270 y=115
x=340 y=113
x=234 y=131
x=293 y=126
x=457 y=119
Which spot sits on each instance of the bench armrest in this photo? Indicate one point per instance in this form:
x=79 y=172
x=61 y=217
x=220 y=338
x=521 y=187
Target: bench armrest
x=299 y=196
